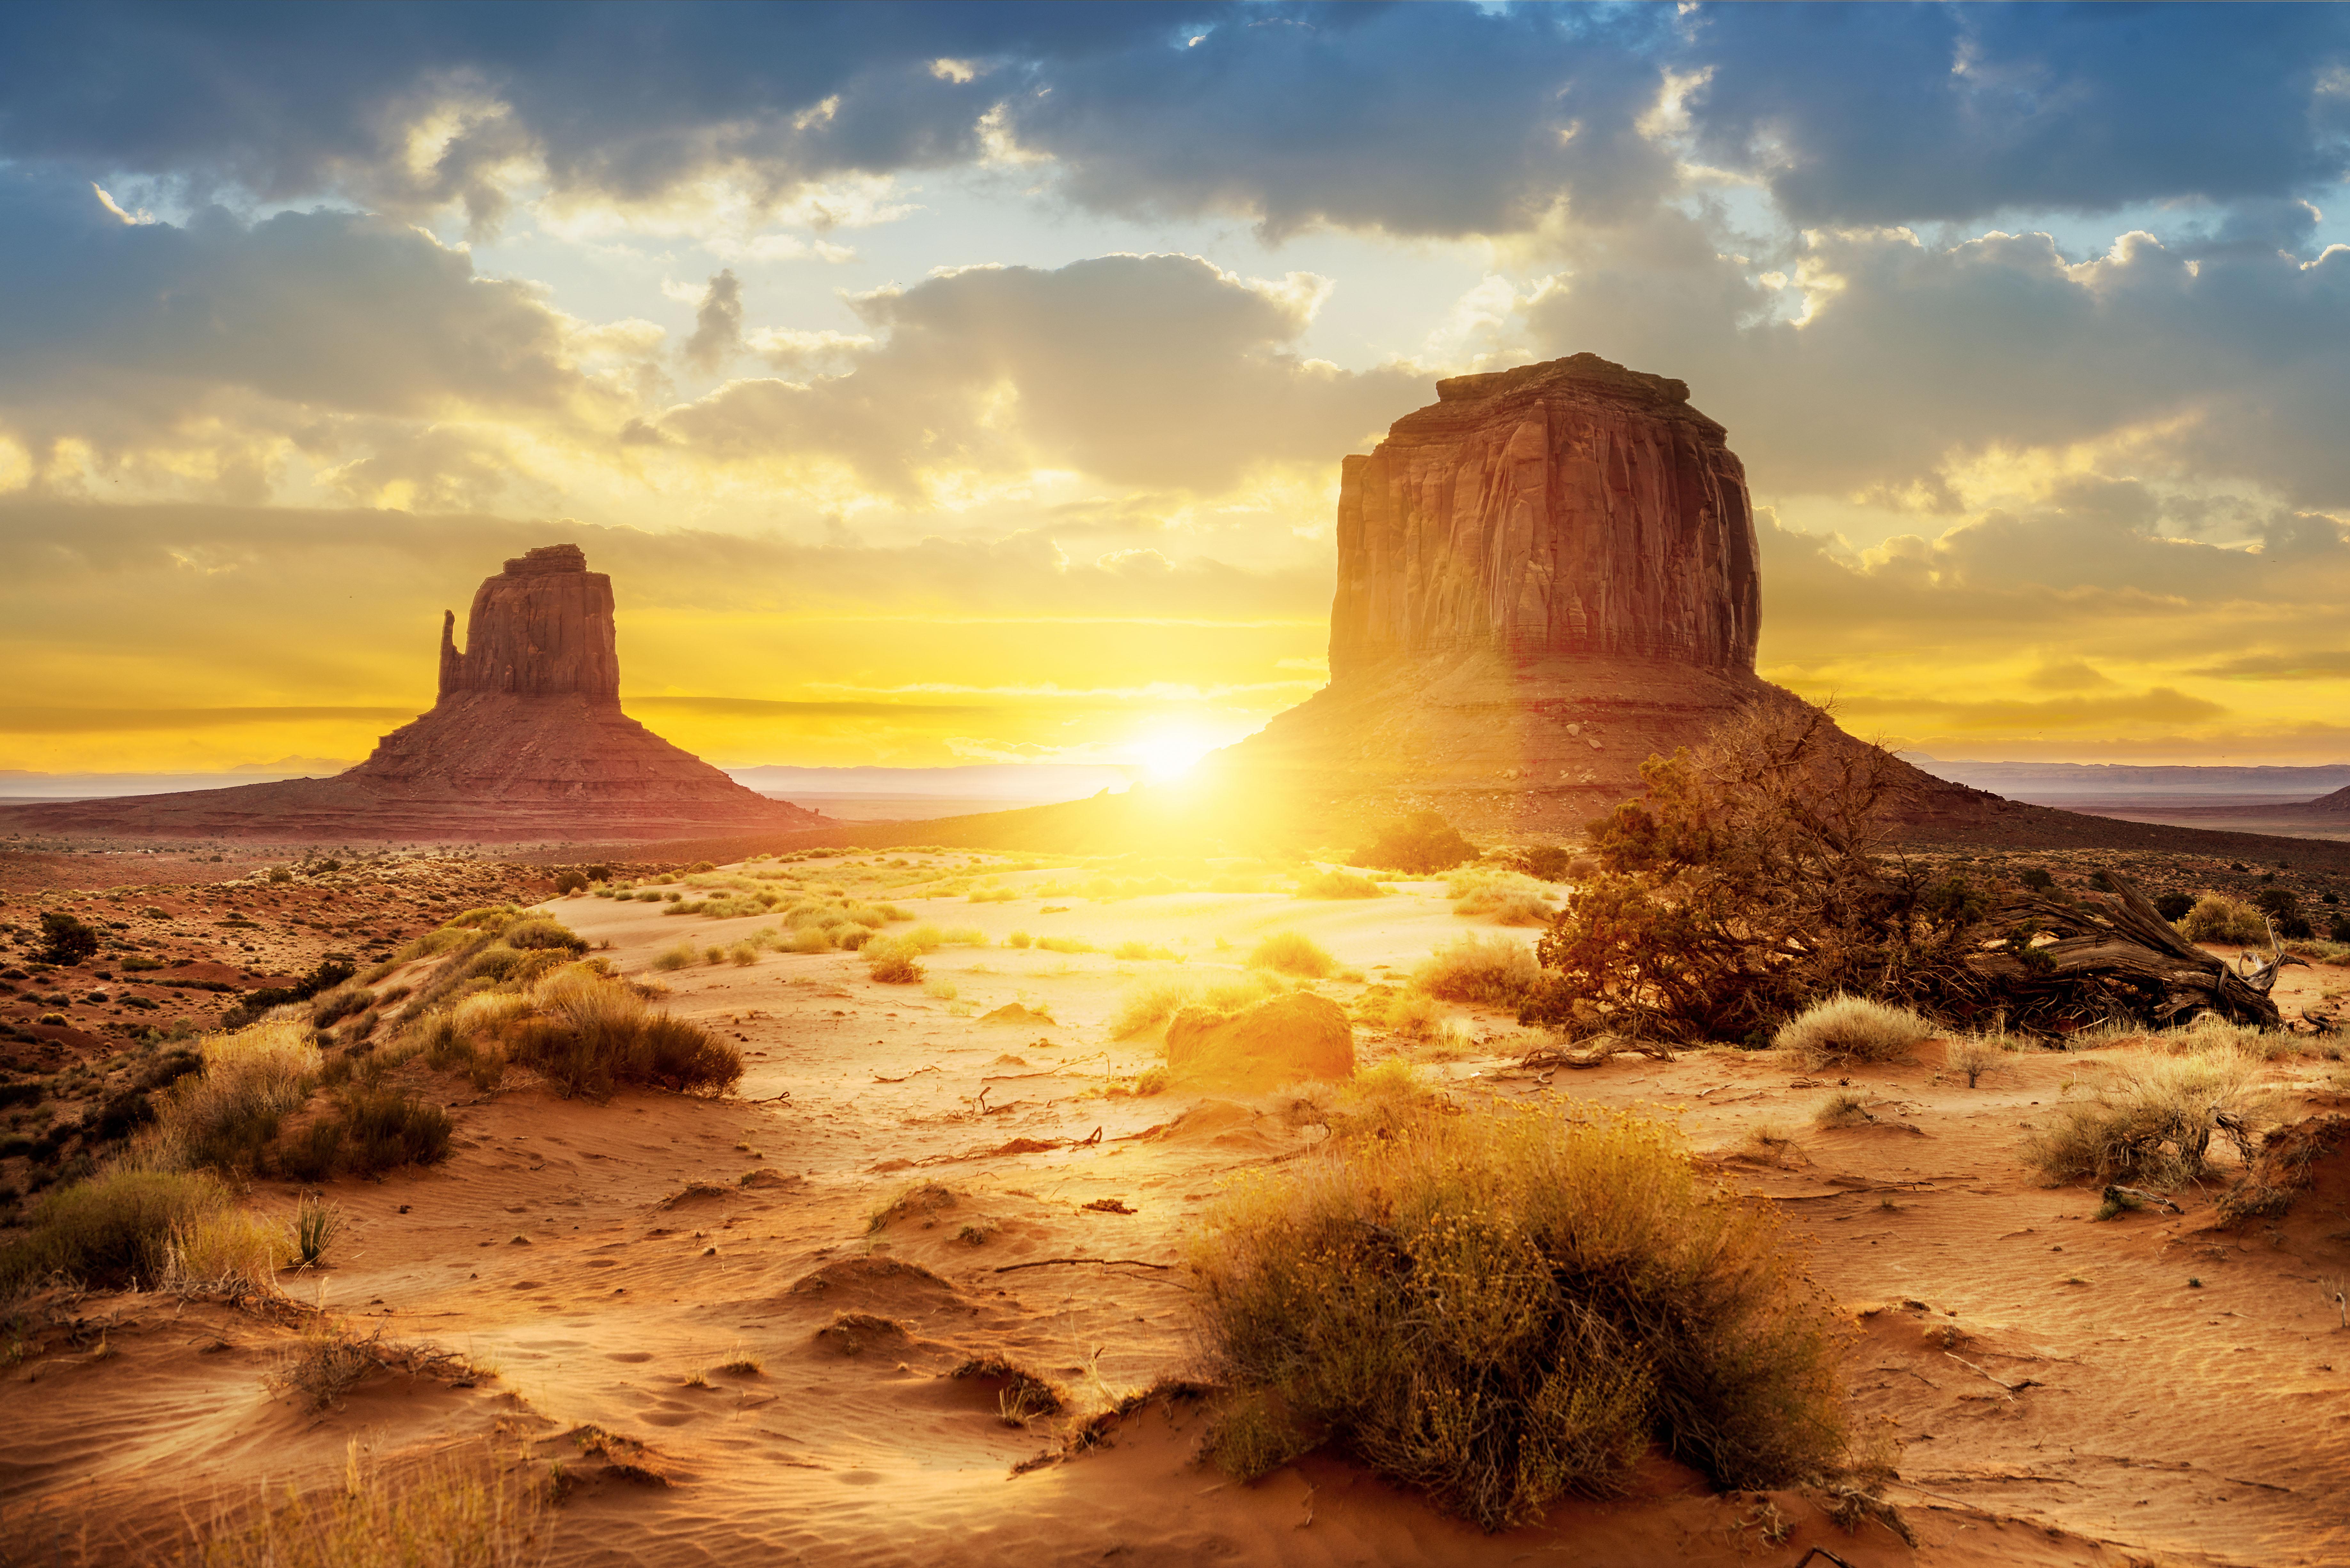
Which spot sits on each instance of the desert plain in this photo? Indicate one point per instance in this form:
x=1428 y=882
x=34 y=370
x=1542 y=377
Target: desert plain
x=915 y=1290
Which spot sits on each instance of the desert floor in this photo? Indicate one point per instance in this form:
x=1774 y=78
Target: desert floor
x=2148 y=1389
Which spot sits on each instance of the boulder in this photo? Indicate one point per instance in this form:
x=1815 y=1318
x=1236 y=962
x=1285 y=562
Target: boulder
x=1277 y=1041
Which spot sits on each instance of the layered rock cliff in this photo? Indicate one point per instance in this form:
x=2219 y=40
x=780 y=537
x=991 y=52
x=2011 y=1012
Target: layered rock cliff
x=1570 y=509
x=542 y=628
x=526 y=742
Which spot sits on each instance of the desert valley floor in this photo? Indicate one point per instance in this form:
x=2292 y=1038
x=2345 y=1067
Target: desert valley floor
x=653 y=1289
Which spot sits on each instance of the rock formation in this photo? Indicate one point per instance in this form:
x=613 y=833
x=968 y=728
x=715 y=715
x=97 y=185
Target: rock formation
x=1545 y=576
x=526 y=742
x=1573 y=509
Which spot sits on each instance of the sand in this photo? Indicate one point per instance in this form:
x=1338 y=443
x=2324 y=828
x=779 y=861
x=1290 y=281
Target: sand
x=2061 y=1392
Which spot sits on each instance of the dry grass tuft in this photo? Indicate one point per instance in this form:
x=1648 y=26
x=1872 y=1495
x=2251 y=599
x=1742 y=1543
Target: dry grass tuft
x=1850 y=1028
x=1483 y=971
x=590 y=1033
x=225 y=1117
x=1294 y=952
x=1843 y=1109
x=1975 y=1059
x=1507 y=1306
x=229 y=1252
x=1021 y=1394
x=2154 y=1122
x=477 y=1511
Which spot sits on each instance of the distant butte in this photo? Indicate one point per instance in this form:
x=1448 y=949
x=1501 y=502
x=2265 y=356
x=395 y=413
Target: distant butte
x=526 y=742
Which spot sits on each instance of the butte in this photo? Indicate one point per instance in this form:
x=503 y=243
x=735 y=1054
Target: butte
x=526 y=742
x=1545 y=578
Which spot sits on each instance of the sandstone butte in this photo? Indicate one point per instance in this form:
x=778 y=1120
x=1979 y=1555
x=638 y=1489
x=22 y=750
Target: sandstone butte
x=526 y=742
x=1545 y=578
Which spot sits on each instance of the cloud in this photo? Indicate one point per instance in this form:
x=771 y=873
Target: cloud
x=1140 y=369
x=1863 y=115
x=717 y=324
x=408 y=111
x=215 y=351
x=1897 y=358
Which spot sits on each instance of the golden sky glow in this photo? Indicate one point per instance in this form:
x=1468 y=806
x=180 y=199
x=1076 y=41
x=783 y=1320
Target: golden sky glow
x=991 y=409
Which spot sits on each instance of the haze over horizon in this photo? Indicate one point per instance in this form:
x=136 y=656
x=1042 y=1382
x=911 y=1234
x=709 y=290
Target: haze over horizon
x=963 y=385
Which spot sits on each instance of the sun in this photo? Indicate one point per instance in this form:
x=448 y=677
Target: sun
x=1169 y=755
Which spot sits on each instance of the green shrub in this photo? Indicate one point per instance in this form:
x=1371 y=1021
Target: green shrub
x=1482 y=970
x=1421 y=844
x=1508 y=1306
x=110 y=1228
x=65 y=940
x=540 y=932
x=1850 y=1028
x=2218 y=918
x=1294 y=952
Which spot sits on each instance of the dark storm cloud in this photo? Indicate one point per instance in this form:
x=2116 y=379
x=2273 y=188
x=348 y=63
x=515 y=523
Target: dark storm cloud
x=1895 y=113
x=1430 y=119
x=291 y=100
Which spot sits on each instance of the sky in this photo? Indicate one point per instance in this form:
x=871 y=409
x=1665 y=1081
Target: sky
x=968 y=383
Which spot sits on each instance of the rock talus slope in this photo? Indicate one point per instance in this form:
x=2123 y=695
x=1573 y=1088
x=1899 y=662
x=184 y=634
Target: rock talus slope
x=526 y=742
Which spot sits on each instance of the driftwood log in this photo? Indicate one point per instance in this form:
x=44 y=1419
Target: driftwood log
x=2115 y=947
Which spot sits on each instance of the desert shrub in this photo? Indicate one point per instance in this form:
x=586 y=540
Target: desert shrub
x=65 y=940
x=109 y=1229
x=1421 y=844
x=2216 y=917
x=232 y=1250
x=809 y=939
x=1973 y=1058
x=1842 y=1109
x=1065 y=945
x=1546 y=862
x=1338 y=885
x=2153 y=1123
x=1507 y=897
x=1149 y=1003
x=225 y=1117
x=542 y=932
x=313 y=1230
x=1483 y=971
x=1850 y=1028
x=383 y=1129
x=1294 y=952
x=1413 y=1016
x=892 y=961
x=570 y=882
x=672 y=959
x=338 y=1004
x=742 y=955
x=1747 y=882
x=1504 y=1307
x=590 y=1034
x=1018 y=939
x=2173 y=907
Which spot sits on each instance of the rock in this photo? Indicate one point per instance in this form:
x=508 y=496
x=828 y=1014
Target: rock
x=542 y=628
x=1277 y=1041
x=1570 y=508
x=526 y=742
